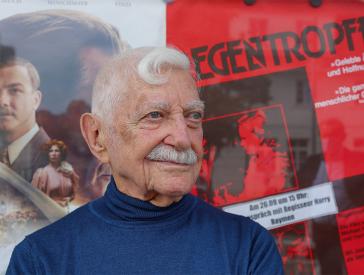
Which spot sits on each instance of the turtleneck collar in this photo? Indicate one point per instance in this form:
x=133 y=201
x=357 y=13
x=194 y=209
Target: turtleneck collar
x=118 y=207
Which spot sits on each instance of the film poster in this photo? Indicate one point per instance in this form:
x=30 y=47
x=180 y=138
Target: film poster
x=283 y=138
x=61 y=45
x=283 y=87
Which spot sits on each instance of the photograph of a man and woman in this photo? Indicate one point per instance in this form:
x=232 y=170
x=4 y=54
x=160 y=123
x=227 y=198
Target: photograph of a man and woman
x=49 y=58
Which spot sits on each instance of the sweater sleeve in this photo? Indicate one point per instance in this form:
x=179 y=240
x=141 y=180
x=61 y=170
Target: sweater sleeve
x=21 y=261
x=264 y=255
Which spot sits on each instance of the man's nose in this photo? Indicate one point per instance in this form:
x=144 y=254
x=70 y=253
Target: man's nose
x=4 y=98
x=179 y=136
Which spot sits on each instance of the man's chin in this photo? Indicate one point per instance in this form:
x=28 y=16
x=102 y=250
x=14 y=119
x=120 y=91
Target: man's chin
x=8 y=121
x=175 y=189
x=5 y=127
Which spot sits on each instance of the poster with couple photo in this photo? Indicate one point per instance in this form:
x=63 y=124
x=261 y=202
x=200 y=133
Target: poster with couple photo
x=50 y=53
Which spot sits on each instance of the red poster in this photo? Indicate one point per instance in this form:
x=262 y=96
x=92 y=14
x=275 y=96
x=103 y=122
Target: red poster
x=283 y=86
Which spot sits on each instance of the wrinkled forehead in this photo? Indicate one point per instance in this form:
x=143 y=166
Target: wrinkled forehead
x=126 y=89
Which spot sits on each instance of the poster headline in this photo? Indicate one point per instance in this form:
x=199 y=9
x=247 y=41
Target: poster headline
x=239 y=56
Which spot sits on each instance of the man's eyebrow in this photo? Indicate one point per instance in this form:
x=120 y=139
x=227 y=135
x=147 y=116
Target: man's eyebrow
x=195 y=104
x=155 y=105
x=14 y=84
x=158 y=105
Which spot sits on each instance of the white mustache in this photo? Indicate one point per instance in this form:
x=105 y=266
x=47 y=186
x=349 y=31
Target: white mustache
x=167 y=153
x=7 y=112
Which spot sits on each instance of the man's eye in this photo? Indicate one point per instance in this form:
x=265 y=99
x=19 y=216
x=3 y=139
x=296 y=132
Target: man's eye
x=196 y=115
x=154 y=115
x=14 y=90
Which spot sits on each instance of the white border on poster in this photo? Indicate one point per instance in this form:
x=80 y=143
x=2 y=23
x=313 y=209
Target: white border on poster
x=291 y=207
x=140 y=22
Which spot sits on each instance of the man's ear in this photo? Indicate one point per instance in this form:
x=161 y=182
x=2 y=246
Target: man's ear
x=91 y=131
x=37 y=97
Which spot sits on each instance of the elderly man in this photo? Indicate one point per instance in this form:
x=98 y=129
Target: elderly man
x=146 y=122
x=20 y=135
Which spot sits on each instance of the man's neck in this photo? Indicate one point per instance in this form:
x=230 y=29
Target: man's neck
x=153 y=197
x=164 y=201
x=9 y=137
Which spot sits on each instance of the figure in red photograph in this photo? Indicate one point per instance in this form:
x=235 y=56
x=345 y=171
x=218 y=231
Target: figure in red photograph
x=267 y=168
x=264 y=164
x=58 y=179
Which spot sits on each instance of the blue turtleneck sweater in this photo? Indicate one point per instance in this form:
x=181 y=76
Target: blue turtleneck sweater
x=117 y=234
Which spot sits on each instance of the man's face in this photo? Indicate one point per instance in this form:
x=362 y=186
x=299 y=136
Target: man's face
x=169 y=114
x=18 y=101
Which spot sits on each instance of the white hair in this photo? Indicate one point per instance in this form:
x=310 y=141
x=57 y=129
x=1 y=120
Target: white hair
x=149 y=65
x=150 y=68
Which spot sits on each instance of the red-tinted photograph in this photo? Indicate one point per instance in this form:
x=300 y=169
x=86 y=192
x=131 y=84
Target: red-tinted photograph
x=256 y=160
x=253 y=145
